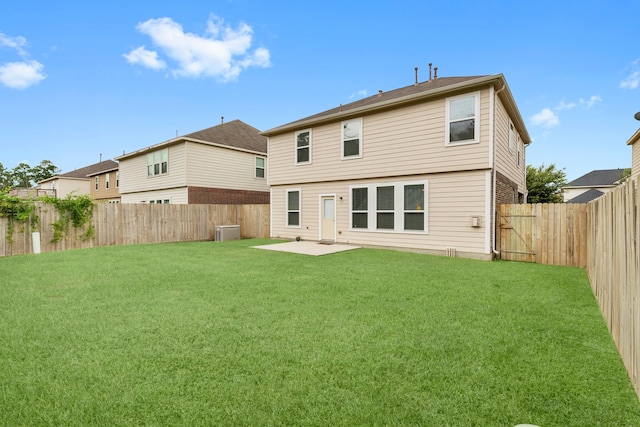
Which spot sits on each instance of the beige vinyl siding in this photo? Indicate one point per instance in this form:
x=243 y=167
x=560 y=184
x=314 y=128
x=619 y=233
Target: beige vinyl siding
x=452 y=199
x=102 y=192
x=222 y=168
x=506 y=160
x=174 y=195
x=76 y=186
x=133 y=172
x=404 y=141
x=635 y=159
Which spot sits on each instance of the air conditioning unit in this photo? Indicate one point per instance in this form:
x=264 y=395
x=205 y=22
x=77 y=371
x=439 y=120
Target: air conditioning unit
x=227 y=232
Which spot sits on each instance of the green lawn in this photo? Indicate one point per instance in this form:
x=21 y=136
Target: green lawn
x=219 y=333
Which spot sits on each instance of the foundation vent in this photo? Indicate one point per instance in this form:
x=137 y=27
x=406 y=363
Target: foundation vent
x=451 y=252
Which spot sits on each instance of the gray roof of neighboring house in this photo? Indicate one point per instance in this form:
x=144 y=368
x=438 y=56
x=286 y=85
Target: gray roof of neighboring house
x=414 y=93
x=587 y=196
x=83 y=173
x=598 y=178
x=234 y=134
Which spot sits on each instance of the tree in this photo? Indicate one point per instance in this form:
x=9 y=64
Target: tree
x=545 y=183
x=24 y=175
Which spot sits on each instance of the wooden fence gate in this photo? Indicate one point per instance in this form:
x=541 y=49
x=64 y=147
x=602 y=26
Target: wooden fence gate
x=543 y=233
x=517 y=235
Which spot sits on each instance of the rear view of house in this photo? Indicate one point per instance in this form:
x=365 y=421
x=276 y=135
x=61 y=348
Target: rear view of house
x=417 y=168
x=224 y=164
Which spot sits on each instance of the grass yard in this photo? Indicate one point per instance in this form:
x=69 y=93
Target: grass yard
x=218 y=333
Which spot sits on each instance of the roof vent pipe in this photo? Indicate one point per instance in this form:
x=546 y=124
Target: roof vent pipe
x=221 y=119
x=416 y=84
x=435 y=73
x=380 y=92
x=430 y=64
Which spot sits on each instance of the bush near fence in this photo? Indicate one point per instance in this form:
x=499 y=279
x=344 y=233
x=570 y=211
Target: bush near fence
x=126 y=224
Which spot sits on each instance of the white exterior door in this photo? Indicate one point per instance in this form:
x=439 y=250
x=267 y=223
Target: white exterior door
x=328 y=218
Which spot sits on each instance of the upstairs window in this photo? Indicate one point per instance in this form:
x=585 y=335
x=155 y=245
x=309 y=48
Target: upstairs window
x=259 y=167
x=97 y=184
x=462 y=119
x=352 y=138
x=118 y=179
x=303 y=146
x=106 y=180
x=158 y=162
x=512 y=137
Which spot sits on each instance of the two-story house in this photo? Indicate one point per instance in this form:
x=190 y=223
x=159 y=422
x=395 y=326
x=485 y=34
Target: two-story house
x=77 y=182
x=223 y=164
x=419 y=168
x=105 y=185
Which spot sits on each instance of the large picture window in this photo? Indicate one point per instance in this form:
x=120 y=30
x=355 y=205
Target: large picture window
x=293 y=208
x=462 y=119
x=352 y=138
x=303 y=146
x=158 y=162
x=390 y=207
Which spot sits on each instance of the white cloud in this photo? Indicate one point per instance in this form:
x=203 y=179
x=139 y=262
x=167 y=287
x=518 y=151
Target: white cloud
x=632 y=81
x=15 y=43
x=223 y=52
x=145 y=58
x=359 y=94
x=591 y=101
x=21 y=75
x=546 y=118
x=564 y=106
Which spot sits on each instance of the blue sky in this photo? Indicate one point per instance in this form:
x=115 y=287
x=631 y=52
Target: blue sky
x=84 y=78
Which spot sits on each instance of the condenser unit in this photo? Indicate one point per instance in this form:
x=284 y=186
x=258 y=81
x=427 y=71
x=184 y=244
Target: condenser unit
x=227 y=232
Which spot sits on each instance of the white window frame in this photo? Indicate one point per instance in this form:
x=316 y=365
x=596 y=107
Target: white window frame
x=476 y=118
x=107 y=180
x=263 y=167
x=159 y=158
x=398 y=206
x=118 y=179
x=299 y=210
x=343 y=139
x=512 y=137
x=353 y=211
x=297 y=149
x=97 y=183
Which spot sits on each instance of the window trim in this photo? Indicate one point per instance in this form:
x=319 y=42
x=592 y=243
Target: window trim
x=263 y=167
x=359 y=120
x=512 y=137
x=97 y=183
x=399 y=211
x=162 y=163
x=287 y=210
x=107 y=181
x=297 y=149
x=476 y=118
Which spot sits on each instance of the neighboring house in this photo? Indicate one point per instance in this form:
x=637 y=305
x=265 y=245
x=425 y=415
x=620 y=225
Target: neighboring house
x=417 y=168
x=104 y=185
x=635 y=153
x=224 y=164
x=591 y=186
x=76 y=182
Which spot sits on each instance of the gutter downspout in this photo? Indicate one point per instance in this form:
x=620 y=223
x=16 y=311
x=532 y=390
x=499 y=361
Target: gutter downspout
x=493 y=168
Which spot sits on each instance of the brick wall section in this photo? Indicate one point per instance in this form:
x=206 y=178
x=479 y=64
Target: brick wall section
x=507 y=190
x=226 y=196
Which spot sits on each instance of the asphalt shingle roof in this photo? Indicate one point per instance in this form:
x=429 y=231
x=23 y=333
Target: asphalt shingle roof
x=597 y=178
x=587 y=196
x=235 y=134
x=87 y=170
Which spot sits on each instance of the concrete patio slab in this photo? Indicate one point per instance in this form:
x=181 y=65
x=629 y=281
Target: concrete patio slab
x=308 y=248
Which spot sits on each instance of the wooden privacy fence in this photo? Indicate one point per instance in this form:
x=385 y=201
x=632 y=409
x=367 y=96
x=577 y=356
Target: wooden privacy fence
x=543 y=233
x=126 y=224
x=614 y=269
